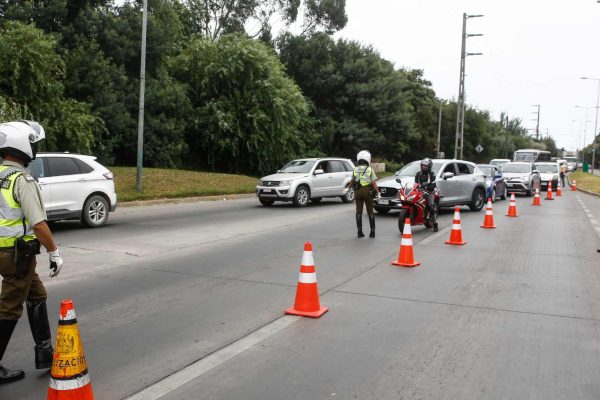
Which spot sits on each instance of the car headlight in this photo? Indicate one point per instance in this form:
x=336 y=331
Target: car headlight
x=285 y=183
x=524 y=178
x=260 y=183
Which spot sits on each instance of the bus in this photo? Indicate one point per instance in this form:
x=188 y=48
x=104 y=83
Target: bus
x=531 y=155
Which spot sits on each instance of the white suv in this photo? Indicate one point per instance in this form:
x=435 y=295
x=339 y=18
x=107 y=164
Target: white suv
x=309 y=179
x=75 y=186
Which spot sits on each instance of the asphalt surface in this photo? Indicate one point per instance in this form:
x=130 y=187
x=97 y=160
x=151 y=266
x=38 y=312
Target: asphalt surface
x=196 y=292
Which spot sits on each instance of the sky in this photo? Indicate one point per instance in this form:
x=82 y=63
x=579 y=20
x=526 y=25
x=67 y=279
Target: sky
x=534 y=52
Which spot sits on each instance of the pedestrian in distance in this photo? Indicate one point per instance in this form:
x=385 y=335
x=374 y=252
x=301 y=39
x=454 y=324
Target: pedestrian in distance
x=23 y=229
x=563 y=172
x=365 y=188
x=426 y=180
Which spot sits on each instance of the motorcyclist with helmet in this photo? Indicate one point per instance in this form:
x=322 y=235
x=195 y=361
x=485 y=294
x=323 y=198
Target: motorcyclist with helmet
x=363 y=182
x=426 y=180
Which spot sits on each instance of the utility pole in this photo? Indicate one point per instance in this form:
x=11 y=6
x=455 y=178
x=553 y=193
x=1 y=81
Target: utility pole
x=140 y=141
x=537 y=126
x=460 y=114
x=439 y=138
x=595 y=123
x=506 y=135
x=585 y=123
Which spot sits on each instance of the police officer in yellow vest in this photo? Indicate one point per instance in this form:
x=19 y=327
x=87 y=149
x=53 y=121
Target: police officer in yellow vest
x=22 y=229
x=363 y=181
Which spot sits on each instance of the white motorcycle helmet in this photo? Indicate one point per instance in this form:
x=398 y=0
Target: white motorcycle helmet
x=20 y=139
x=365 y=156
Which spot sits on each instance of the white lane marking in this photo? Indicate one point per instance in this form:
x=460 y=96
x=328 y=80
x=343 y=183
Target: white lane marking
x=435 y=236
x=193 y=371
x=589 y=215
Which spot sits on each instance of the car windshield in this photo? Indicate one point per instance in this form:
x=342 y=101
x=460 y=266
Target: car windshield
x=487 y=171
x=415 y=166
x=547 y=168
x=298 y=167
x=519 y=168
x=570 y=160
x=525 y=156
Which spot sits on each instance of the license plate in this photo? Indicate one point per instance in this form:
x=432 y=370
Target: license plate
x=267 y=190
x=383 y=202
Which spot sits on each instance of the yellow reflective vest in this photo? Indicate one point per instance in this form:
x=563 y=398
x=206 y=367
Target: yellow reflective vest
x=13 y=223
x=363 y=175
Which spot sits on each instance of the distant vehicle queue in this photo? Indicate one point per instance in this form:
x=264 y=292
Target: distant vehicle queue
x=458 y=182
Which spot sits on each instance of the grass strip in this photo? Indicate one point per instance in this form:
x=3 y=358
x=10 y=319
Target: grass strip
x=172 y=183
x=587 y=182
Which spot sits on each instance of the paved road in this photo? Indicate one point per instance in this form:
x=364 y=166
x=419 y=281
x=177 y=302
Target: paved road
x=514 y=314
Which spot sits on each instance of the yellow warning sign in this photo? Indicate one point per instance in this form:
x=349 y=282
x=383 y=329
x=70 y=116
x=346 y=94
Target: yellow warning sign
x=68 y=355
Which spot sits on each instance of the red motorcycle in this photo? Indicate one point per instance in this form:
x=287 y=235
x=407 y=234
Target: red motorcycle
x=414 y=206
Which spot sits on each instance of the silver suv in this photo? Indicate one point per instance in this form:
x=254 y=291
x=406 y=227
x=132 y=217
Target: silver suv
x=459 y=183
x=521 y=177
x=308 y=179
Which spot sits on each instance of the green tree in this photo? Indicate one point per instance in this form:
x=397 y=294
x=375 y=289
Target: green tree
x=357 y=97
x=31 y=75
x=214 y=18
x=247 y=114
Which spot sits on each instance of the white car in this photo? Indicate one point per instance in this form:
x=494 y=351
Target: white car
x=309 y=179
x=75 y=186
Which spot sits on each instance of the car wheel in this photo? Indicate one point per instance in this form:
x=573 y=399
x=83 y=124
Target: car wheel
x=494 y=195
x=266 y=202
x=401 y=217
x=95 y=211
x=349 y=196
x=302 y=196
x=477 y=200
x=382 y=210
x=316 y=200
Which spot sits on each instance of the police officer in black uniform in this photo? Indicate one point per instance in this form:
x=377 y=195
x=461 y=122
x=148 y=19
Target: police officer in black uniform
x=426 y=179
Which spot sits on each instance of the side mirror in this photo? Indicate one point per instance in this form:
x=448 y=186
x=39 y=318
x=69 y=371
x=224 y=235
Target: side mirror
x=447 y=175
x=319 y=172
x=398 y=180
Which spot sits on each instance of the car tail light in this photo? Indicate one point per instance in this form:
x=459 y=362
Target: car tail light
x=108 y=175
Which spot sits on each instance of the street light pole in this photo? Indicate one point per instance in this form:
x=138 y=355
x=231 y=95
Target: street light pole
x=585 y=124
x=439 y=137
x=537 y=125
x=460 y=113
x=595 y=123
x=140 y=138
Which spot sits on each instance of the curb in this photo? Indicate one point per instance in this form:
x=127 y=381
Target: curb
x=588 y=192
x=182 y=200
x=583 y=190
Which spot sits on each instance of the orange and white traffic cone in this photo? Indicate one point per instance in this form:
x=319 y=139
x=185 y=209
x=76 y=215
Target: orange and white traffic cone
x=69 y=377
x=536 y=198
x=574 y=186
x=512 y=207
x=405 y=256
x=307 y=293
x=488 y=221
x=549 y=191
x=558 y=190
x=456 y=232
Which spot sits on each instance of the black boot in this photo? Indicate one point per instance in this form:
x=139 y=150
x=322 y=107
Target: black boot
x=40 y=330
x=372 y=225
x=6 y=329
x=359 y=225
